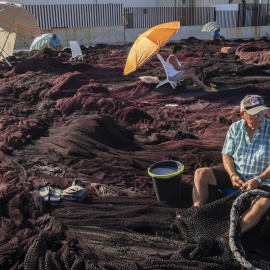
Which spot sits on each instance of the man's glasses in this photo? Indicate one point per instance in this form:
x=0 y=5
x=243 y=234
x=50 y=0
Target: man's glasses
x=260 y=114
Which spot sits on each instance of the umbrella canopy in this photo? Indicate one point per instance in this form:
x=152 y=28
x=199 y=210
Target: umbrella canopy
x=148 y=44
x=211 y=26
x=15 y=19
x=40 y=41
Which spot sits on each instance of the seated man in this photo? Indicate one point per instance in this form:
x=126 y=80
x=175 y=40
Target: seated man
x=55 y=43
x=177 y=72
x=246 y=161
x=217 y=35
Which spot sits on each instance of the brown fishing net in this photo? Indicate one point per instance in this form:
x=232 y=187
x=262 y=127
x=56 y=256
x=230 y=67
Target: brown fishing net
x=62 y=121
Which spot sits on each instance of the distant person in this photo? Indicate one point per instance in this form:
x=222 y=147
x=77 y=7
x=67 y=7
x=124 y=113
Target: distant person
x=55 y=44
x=246 y=161
x=177 y=72
x=217 y=35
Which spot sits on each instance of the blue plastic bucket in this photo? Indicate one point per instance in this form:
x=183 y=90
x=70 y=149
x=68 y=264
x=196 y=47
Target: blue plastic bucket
x=167 y=180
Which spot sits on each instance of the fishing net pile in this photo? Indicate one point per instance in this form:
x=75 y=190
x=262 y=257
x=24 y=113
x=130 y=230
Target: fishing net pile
x=62 y=121
x=252 y=53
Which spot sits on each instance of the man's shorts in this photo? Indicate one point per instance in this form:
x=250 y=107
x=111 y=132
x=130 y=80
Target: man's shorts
x=222 y=177
x=224 y=181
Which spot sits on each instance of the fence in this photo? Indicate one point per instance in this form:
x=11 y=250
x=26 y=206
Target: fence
x=255 y=14
x=77 y=15
x=248 y=15
x=98 y=15
x=149 y=17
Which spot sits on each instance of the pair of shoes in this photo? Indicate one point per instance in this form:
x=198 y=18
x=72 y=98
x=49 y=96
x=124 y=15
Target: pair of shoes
x=53 y=194
x=213 y=89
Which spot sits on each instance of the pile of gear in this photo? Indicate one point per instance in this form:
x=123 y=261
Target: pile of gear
x=76 y=192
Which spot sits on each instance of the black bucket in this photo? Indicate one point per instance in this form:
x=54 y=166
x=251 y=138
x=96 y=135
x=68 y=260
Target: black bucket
x=167 y=180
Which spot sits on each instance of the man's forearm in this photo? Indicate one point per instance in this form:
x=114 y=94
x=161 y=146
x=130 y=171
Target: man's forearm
x=229 y=164
x=265 y=175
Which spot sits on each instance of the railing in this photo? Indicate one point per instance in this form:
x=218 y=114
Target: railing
x=256 y=14
x=77 y=15
x=248 y=15
x=98 y=15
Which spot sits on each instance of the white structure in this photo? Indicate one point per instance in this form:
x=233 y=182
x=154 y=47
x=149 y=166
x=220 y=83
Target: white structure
x=121 y=21
x=141 y=3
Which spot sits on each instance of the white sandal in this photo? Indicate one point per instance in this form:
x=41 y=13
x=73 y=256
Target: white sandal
x=55 y=194
x=44 y=193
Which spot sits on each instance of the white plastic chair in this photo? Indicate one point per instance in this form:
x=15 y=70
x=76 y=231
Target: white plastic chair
x=172 y=83
x=76 y=51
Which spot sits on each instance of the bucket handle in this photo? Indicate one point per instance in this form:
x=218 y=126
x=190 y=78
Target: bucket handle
x=167 y=175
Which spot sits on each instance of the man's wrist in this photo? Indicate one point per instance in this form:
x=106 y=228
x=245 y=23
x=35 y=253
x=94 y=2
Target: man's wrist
x=232 y=174
x=259 y=180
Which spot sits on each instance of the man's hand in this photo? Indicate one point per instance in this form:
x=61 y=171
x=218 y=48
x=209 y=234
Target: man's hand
x=237 y=182
x=251 y=184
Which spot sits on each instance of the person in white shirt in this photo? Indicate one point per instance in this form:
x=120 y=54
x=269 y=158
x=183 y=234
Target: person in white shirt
x=177 y=72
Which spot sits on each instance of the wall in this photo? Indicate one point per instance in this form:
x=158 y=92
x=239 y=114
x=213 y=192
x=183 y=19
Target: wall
x=183 y=33
x=195 y=31
x=85 y=36
x=119 y=35
x=246 y=32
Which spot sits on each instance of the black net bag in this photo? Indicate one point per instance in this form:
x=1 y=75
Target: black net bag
x=199 y=238
x=207 y=232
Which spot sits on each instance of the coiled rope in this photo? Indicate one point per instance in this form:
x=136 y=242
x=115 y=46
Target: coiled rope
x=233 y=220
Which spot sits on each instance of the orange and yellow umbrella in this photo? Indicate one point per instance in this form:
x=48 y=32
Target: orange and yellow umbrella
x=148 y=43
x=15 y=19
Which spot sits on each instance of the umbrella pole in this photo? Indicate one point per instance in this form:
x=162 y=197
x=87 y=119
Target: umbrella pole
x=5 y=59
x=1 y=53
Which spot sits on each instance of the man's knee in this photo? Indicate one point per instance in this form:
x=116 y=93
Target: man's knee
x=204 y=175
x=263 y=204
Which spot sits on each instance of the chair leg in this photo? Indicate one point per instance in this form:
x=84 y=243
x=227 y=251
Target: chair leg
x=5 y=59
x=172 y=85
x=161 y=83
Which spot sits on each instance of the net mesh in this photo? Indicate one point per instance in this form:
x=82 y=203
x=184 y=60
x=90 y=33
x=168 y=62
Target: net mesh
x=144 y=234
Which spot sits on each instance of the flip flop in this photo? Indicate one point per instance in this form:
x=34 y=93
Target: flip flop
x=55 y=194
x=212 y=85
x=44 y=193
x=213 y=89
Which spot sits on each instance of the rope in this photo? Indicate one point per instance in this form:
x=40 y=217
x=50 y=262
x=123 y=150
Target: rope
x=233 y=220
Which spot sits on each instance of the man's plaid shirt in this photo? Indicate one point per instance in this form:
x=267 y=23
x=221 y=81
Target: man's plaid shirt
x=250 y=158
